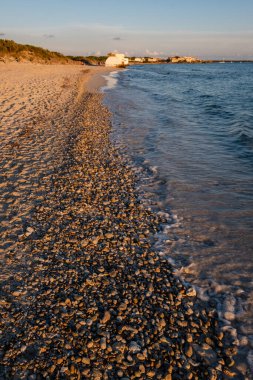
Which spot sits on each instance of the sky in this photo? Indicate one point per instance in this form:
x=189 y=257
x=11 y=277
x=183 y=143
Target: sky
x=203 y=28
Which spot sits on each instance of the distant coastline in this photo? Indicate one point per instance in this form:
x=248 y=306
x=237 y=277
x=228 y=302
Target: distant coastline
x=10 y=51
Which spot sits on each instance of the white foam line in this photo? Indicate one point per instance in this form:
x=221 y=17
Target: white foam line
x=111 y=81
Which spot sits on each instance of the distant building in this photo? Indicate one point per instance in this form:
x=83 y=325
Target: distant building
x=184 y=60
x=153 y=60
x=140 y=60
x=116 y=60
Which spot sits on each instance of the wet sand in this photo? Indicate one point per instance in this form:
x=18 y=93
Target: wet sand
x=83 y=293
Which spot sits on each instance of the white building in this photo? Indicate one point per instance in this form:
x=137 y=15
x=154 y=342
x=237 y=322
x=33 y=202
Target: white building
x=184 y=60
x=154 y=60
x=139 y=59
x=116 y=60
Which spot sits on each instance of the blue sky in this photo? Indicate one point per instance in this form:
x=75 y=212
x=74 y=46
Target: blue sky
x=208 y=29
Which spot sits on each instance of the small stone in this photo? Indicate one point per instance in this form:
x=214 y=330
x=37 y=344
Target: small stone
x=89 y=322
x=29 y=231
x=72 y=369
x=141 y=357
x=212 y=374
x=134 y=347
x=68 y=302
x=95 y=240
x=229 y=373
x=103 y=343
x=106 y=317
x=229 y=316
x=123 y=306
x=86 y=360
x=189 y=338
x=43 y=349
x=65 y=370
x=97 y=375
x=189 y=351
x=23 y=348
x=84 y=243
x=151 y=373
x=17 y=294
x=191 y=292
x=162 y=324
x=229 y=362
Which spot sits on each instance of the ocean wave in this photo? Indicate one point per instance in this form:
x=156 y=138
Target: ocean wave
x=111 y=81
x=242 y=133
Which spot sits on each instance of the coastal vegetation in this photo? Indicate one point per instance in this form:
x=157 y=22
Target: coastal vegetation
x=12 y=51
x=91 y=60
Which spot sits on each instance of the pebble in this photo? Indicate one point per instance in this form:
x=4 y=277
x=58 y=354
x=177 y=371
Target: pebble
x=191 y=292
x=86 y=361
x=134 y=347
x=103 y=344
x=106 y=317
x=189 y=351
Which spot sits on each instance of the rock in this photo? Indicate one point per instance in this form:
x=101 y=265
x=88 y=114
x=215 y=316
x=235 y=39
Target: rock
x=229 y=373
x=191 y=292
x=103 y=344
x=141 y=356
x=151 y=374
x=86 y=360
x=106 y=317
x=18 y=293
x=229 y=316
x=29 y=231
x=84 y=243
x=189 y=338
x=189 y=351
x=72 y=369
x=134 y=347
x=68 y=302
x=161 y=324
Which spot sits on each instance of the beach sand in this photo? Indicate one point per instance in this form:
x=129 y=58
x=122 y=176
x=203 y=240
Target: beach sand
x=83 y=293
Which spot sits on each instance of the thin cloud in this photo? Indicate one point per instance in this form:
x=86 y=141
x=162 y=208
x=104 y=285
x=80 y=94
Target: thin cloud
x=48 y=35
x=154 y=53
x=117 y=39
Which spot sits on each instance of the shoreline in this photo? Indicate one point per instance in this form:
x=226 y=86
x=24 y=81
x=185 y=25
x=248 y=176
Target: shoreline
x=84 y=294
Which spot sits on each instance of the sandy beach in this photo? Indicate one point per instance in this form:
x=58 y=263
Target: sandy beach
x=83 y=293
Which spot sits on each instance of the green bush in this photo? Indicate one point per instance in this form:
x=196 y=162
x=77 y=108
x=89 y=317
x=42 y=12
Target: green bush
x=12 y=49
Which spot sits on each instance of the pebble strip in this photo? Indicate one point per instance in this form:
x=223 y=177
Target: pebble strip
x=96 y=301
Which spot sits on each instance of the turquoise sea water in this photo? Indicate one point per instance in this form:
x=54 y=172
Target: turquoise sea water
x=191 y=126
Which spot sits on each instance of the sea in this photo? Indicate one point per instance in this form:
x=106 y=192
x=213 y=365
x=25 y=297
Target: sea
x=188 y=131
